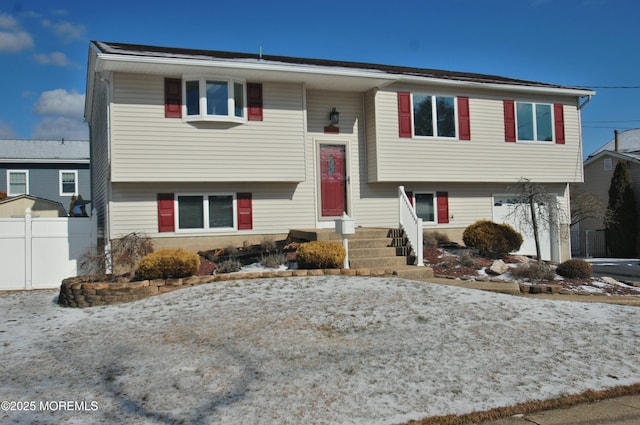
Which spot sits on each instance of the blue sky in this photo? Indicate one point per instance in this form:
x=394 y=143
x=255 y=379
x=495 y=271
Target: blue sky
x=591 y=43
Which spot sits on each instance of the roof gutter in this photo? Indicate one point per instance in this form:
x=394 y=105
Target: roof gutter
x=587 y=100
x=388 y=78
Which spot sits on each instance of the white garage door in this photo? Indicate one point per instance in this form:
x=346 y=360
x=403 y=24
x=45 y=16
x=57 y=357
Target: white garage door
x=503 y=207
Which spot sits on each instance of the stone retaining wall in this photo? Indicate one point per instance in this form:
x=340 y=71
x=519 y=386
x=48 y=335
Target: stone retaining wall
x=77 y=292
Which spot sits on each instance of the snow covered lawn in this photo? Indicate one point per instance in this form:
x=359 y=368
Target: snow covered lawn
x=322 y=350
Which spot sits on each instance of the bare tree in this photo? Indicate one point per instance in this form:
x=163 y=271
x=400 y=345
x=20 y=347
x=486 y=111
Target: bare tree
x=535 y=209
x=585 y=205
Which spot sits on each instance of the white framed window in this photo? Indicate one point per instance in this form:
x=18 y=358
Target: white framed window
x=206 y=211
x=608 y=164
x=68 y=182
x=425 y=206
x=17 y=182
x=534 y=122
x=214 y=99
x=434 y=116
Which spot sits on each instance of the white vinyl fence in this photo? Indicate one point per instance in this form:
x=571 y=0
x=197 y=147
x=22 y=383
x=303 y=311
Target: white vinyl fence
x=39 y=252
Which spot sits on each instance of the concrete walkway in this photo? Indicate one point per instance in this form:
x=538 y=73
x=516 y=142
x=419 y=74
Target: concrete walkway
x=615 y=411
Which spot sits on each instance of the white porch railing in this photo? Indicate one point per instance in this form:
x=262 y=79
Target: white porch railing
x=411 y=224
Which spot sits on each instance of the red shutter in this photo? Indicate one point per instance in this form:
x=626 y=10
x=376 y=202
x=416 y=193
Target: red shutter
x=464 y=125
x=442 y=201
x=254 y=101
x=245 y=211
x=410 y=196
x=166 y=222
x=558 y=114
x=172 y=98
x=509 y=121
x=404 y=114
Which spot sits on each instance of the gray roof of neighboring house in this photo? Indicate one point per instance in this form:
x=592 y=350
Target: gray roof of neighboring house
x=59 y=151
x=214 y=55
x=628 y=146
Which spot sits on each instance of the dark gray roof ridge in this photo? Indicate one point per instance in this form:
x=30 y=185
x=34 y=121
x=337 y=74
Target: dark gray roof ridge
x=174 y=52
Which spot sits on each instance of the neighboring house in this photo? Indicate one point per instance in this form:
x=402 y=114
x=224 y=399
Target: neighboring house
x=192 y=146
x=51 y=169
x=598 y=171
x=16 y=206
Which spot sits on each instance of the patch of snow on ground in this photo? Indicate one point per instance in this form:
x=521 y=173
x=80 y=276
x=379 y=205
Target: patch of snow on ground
x=330 y=349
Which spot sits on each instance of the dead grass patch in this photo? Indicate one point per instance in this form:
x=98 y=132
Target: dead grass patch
x=529 y=407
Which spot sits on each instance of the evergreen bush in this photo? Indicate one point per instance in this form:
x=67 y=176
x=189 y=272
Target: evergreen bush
x=167 y=263
x=320 y=255
x=492 y=239
x=575 y=268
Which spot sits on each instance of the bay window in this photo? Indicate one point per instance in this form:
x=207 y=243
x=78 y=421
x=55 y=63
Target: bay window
x=213 y=99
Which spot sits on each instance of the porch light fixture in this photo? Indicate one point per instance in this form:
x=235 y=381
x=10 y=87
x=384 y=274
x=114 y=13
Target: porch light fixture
x=334 y=116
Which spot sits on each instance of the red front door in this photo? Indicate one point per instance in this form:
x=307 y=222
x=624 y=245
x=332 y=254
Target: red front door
x=332 y=180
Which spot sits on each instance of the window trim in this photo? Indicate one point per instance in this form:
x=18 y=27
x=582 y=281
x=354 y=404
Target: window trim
x=26 y=173
x=75 y=181
x=607 y=164
x=434 y=110
x=205 y=209
x=535 y=122
x=435 y=205
x=202 y=99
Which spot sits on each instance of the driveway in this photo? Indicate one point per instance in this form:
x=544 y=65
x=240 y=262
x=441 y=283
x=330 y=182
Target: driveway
x=618 y=268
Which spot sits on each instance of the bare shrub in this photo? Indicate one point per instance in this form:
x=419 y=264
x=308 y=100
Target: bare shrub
x=467 y=259
x=534 y=271
x=273 y=260
x=434 y=239
x=229 y=266
x=123 y=257
x=268 y=244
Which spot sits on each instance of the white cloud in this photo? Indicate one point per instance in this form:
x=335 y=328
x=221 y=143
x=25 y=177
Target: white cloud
x=61 y=102
x=67 y=31
x=13 y=39
x=8 y=22
x=53 y=58
x=64 y=116
x=61 y=128
x=6 y=132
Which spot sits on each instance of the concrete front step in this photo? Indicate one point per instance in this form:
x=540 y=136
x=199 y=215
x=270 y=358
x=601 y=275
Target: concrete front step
x=414 y=272
x=369 y=243
x=377 y=262
x=388 y=251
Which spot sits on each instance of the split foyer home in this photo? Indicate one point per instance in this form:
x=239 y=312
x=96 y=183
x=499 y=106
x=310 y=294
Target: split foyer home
x=193 y=146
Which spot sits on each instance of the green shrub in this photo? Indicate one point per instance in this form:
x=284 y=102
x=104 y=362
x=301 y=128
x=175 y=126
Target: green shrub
x=492 y=239
x=167 y=263
x=229 y=266
x=576 y=268
x=534 y=271
x=434 y=239
x=320 y=255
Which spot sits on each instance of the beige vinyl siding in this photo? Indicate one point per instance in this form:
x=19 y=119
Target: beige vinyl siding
x=370 y=134
x=277 y=207
x=149 y=147
x=349 y=105
x=486 y=157
x=99 y=142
